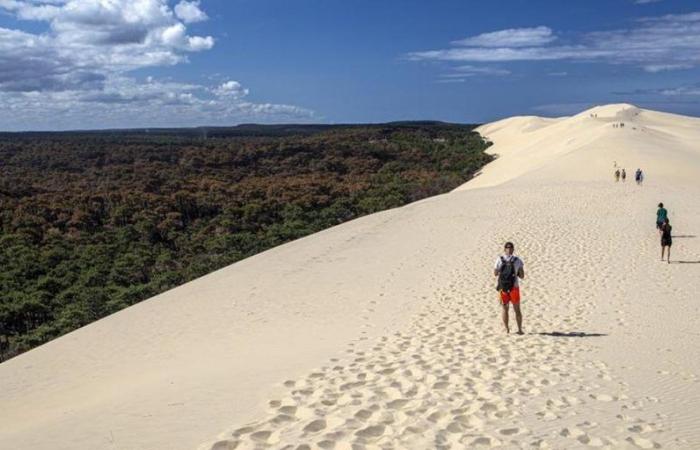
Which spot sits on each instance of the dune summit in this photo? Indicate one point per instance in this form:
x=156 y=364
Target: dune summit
x=583 y=147
x=385 y=331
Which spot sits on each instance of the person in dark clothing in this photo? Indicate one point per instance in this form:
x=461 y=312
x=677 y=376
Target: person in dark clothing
x=666 y=239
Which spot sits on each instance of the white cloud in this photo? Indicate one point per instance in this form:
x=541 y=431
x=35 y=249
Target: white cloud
x=655 y=68
x=174 y=35
x=189 y=12
x=123 y=102
x=512 y=37
x=470 y=71
x=76 y=73
x=683 y=91
x=687 y=92
x=654 y=43
x=98 y=35
x=36 y=10
x=198 y=43
x=644 y=2
x=232 y=89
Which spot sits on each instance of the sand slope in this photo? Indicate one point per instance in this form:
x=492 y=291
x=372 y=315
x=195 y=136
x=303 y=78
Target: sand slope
x=385 y=331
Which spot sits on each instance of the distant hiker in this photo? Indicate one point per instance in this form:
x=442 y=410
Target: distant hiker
x=666 y=240
x=639 y=176
x=617 y=175
x=614 y=164
x=661 y=216
x=508 y=269
x=623 y=175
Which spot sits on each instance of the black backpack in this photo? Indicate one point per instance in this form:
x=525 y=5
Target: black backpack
x=507 y=275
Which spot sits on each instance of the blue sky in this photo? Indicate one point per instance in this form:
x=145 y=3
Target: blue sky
x=70 y=64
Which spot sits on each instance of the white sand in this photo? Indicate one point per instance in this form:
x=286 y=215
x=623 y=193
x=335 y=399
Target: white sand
x=385 y=331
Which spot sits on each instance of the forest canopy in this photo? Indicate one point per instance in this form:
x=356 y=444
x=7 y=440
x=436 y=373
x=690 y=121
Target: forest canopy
x=93 y=222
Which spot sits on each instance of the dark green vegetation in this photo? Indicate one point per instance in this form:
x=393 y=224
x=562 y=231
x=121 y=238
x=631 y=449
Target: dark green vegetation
x=93 y=222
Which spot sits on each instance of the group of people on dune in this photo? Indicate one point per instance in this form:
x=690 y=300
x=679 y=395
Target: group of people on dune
x=622 y=175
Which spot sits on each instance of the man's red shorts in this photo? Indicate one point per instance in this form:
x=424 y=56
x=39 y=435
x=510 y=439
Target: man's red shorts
x=513 y=296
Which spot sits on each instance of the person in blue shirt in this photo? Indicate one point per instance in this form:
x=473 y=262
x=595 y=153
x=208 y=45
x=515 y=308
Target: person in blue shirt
x=661 y=215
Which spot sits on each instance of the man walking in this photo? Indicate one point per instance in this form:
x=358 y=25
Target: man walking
x=666 y=239
x=509 y=268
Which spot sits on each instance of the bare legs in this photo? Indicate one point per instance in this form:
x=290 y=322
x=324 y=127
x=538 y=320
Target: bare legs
x=518 y=318
x=668 y=257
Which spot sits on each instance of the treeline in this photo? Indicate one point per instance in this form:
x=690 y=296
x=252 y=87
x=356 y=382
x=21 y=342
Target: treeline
x=91 y=223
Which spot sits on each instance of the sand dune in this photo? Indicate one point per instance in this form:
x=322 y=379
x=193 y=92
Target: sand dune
x=583 y=147
x=384 y=332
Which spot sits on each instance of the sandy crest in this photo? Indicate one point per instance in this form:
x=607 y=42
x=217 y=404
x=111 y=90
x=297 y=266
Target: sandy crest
x=385 y=332
x=583 y=147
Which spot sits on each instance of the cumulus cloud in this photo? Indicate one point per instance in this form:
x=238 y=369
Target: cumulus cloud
x=232 y=89
x=124 y=102
x=91 y=39
x=78 y=68
x=189 y=12
x=653 y=44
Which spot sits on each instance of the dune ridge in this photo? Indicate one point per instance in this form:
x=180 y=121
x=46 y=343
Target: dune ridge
x=584 y=146
x=385 y=332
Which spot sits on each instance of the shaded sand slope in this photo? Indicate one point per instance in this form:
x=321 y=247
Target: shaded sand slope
x=385 y=331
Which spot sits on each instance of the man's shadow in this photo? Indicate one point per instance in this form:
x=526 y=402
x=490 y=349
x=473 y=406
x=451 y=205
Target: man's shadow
x=571 y=334
x=683 y=236
x=685 y=262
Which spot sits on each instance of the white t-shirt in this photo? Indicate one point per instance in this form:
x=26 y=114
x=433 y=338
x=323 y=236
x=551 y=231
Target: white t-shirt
x=518 y=265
